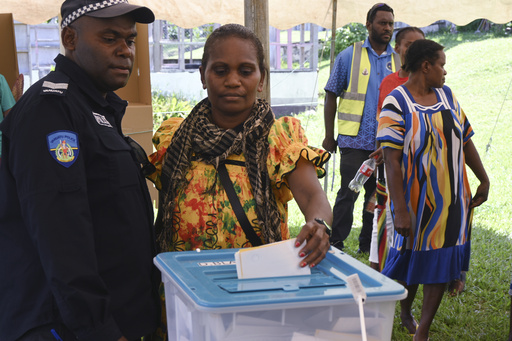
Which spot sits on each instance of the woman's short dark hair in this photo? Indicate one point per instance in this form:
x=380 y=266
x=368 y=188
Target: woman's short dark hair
x=403 y=31
x=239 y=31
x=370 y=16
x=418 y=52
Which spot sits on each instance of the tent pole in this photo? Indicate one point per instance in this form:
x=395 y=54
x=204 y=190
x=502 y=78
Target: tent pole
x=333 y=56
x=256 y=18
x=333 y=33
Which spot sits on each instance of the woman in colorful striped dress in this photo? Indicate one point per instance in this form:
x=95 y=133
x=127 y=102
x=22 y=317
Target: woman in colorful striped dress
x=426 y=139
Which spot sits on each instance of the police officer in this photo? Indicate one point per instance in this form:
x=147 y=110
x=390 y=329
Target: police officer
x=76 y=238
x=355 y=78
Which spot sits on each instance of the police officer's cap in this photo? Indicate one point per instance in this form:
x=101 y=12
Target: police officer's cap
x=74 y=9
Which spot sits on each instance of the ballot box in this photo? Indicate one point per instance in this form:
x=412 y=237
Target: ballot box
x=205 y=301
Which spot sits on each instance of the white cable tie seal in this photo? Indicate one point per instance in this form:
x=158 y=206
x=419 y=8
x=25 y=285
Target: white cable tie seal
x=355 y=285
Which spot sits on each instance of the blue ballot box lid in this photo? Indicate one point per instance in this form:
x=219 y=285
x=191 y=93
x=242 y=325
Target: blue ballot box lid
x=210 y=279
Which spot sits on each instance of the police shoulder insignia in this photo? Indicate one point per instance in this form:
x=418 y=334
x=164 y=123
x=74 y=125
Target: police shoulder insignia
x=63 y=146
x=51 y=88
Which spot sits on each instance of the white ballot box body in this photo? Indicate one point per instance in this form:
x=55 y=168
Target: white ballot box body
x=205 y=300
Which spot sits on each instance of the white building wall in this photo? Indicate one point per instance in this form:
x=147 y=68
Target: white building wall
x=290 y=91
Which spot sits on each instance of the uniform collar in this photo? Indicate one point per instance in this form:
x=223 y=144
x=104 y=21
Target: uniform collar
x=84 y=82
x=388 y=52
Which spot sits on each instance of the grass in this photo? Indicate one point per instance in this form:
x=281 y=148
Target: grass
x=480 y=73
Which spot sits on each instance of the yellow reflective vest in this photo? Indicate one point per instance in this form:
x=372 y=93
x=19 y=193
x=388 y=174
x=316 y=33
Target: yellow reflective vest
x=350 y=108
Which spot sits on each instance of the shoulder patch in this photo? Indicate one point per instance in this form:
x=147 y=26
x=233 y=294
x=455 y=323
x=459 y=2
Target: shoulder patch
x=63 y=147
x=51 y=88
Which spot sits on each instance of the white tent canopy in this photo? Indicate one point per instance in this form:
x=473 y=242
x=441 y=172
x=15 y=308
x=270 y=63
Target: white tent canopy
x=284 y=14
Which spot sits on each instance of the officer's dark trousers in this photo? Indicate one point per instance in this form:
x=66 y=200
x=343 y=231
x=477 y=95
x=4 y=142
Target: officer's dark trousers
x=351 y=160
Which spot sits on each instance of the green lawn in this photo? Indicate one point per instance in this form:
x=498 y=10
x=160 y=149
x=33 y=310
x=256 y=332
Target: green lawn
x=480 y=73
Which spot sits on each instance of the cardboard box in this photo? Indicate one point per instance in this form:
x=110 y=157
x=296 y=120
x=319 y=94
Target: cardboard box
x=8 y=55
x=138 y=120
x=205 y=300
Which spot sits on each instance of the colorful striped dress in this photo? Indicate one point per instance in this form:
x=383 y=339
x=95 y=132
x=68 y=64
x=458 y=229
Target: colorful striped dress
x=435 y=185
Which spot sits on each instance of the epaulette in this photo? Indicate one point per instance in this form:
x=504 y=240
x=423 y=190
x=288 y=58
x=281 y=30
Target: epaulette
x=55 y=83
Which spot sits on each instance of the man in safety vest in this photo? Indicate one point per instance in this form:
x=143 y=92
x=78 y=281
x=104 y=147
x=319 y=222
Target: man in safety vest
x=355 y=78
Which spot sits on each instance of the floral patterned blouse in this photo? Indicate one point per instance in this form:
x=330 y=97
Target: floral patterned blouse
x=206 y=220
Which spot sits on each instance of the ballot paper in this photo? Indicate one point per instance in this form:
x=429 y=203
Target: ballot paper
x=352 y=325
x=327 y=335
x=303 y=337
x=271 y=260
x=246 y=327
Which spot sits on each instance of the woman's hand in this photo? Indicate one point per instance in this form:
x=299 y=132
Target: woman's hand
x=380 y=156
x=473 y=161
x=482 y=192
x=402 y=223
x=317 y=243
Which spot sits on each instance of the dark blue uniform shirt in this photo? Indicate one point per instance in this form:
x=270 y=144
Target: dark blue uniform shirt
x=76 y=238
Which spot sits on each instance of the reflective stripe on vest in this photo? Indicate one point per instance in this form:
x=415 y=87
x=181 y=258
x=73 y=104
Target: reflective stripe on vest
x=350 y=108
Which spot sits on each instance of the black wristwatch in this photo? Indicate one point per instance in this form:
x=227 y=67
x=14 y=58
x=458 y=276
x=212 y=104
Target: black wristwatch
x=328 y=229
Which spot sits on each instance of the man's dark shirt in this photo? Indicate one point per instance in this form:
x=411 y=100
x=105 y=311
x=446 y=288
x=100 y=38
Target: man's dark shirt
x=76 y=239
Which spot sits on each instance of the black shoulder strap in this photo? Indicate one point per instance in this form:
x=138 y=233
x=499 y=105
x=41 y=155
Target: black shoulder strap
x=237 y=207
x=140 y=156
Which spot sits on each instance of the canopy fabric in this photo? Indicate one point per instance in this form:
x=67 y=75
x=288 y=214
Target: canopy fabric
x=284 y=14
